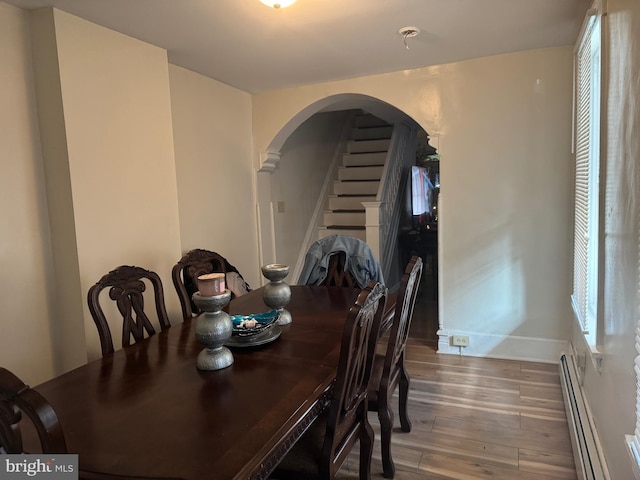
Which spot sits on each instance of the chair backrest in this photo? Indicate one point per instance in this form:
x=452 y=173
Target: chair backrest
x=399 y=331
x=356 y=258
x=185 y=273
x=348 y=409
x=17 y=399
x=126 y=288
x=199 y=262
x=337 y=275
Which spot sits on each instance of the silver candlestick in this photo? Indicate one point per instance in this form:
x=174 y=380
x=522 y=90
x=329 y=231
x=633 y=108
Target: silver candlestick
x=277 y=293
x=213 y=329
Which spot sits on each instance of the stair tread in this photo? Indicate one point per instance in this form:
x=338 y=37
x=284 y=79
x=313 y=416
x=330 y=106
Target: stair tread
x=345 y=227
x=359 y=180
x=373 y=165
x=364 y=140
x=372 y=151
x=339 y=195
x=362 y=153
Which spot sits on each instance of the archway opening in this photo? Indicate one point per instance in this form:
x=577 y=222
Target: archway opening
x=307 y=157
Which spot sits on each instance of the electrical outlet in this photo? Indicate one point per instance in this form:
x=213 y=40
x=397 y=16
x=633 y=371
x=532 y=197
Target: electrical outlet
x=280 y=207
x=460 y=340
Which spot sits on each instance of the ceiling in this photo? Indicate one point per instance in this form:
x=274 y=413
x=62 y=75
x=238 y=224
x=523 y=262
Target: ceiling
x=255 y=48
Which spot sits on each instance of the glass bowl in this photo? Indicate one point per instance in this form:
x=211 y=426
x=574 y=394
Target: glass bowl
x=253 y=324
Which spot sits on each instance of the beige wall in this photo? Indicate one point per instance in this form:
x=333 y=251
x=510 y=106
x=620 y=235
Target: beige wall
x=504 y=131
x=503 y=125
x=504 y=128
x=114 y=144
x=26 y=343
x=212 y=134
x=111 y=187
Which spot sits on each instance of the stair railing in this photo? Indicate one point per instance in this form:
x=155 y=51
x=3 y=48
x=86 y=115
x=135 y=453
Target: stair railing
x=383 y=216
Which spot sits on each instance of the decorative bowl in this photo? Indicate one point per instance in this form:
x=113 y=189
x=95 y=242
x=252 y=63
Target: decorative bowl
x=253 y=324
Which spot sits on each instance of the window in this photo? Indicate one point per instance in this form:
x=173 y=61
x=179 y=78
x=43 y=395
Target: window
x=633 y=441
x=587 y=179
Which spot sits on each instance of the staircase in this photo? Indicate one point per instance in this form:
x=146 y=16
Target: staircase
x=358 y=178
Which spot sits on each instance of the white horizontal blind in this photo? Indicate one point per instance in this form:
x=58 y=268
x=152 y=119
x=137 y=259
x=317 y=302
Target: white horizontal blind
x=636 y=368
x=586 y=175
x=633 y=441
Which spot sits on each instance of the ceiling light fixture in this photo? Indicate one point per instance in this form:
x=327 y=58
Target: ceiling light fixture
x=407 y=32
x=278 y=3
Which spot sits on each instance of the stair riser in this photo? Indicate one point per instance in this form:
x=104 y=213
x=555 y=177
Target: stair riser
x=373 y=133
x=362 y=159
x=368 y=146
x=344 y=218
x=360 y=173
x=349 y=203
x=369 y=121
x=355 y=188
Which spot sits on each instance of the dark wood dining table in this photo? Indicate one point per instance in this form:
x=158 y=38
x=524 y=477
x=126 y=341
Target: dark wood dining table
x=147 y=411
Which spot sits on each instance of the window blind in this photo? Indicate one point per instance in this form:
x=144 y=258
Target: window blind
x=585 y=175
x=633 y=441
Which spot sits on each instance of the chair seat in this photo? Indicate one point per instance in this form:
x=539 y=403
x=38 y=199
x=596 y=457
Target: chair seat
x=303 y=460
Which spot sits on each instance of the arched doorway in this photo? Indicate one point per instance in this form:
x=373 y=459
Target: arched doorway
x=295 y=168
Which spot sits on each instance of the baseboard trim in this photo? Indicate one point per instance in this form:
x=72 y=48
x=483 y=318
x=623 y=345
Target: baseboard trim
x=508 y=347
x=584 y=438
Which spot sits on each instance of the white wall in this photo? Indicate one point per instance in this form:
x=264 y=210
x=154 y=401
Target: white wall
x=504 y=128
x=26 y=343
x=305 y=161
x=212 y=136
x=611 y=392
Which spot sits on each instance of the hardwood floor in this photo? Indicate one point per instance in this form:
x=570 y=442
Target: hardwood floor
x=475 y=418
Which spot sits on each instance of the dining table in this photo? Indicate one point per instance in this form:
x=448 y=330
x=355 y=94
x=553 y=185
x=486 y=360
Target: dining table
x=147 y=411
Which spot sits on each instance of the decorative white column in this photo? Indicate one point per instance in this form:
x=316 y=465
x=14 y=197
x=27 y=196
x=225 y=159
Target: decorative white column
x=373 y=225
x=264 y=208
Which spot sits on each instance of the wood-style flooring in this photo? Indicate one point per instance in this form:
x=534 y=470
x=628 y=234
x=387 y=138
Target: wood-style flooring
x=474 y=418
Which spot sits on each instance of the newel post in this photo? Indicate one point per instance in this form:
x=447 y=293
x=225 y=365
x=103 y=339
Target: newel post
x=373 y=226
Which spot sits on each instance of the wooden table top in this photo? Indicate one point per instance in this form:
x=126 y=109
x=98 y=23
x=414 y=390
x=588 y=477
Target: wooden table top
x=147 y=411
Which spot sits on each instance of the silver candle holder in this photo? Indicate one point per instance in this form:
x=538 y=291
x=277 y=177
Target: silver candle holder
x=277 y=293
x=213 y=329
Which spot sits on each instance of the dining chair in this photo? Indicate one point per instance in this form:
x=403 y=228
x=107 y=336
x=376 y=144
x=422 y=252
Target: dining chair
x=389 y=370
x=320 y=452
x=337 y=274
x=340 y=260
x=199 y=262
x=17 y=399
x=126 y=286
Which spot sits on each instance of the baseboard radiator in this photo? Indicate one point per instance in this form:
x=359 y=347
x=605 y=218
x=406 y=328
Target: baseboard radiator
x=583 y=439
